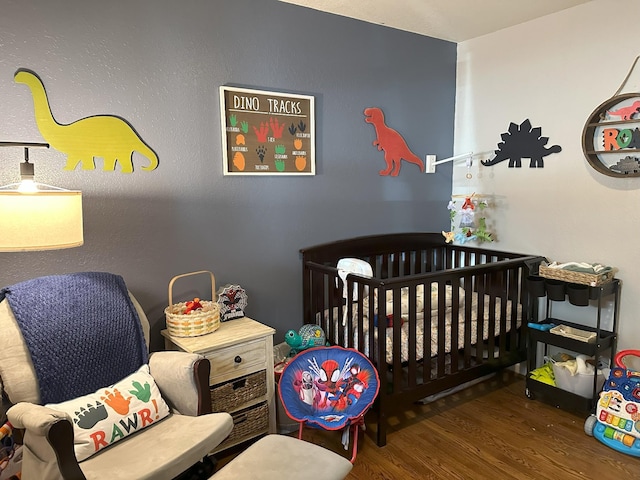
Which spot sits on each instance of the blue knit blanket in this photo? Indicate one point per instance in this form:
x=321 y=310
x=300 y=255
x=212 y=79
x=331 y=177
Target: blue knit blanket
x=81 y=329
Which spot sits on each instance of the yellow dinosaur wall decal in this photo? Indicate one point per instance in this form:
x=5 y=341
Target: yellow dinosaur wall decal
x=104 y=136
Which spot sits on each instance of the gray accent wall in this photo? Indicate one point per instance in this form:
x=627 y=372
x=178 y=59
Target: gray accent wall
x=159 y=65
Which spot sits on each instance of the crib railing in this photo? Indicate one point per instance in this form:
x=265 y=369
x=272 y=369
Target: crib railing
x=501 y=283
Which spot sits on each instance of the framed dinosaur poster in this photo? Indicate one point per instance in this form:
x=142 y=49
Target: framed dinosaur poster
x=267 y=133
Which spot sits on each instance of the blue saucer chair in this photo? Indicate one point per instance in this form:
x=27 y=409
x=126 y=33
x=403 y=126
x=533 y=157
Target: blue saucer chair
x=329 y=388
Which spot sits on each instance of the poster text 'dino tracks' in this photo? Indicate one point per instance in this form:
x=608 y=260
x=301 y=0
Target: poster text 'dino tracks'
x=267 y=133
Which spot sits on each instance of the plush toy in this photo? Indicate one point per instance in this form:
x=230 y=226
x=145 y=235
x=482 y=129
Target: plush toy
x=192 y=306
x=307 y=337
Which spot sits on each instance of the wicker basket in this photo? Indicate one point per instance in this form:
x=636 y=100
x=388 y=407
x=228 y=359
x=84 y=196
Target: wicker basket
x=228 y=396
x=580 y=278
x=247 y=423
x=197 y=322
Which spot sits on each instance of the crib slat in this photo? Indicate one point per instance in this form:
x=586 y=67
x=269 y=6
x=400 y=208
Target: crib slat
x=468 y=320
x=412 y=340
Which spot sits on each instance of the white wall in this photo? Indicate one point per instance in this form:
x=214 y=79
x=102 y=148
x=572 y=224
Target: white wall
x=555 y=71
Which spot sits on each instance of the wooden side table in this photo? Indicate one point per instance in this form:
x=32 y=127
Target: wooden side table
x=242 y=379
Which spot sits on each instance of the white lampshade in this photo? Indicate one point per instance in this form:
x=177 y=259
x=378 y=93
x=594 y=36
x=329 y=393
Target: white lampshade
x=46 y=220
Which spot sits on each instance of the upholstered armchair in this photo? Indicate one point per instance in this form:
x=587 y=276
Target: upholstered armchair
x=179 y=428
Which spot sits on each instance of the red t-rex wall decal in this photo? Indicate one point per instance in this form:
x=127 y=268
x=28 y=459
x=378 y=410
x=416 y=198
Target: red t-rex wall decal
x=394 y=146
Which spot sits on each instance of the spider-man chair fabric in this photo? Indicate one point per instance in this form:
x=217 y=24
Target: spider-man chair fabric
x=329 y=388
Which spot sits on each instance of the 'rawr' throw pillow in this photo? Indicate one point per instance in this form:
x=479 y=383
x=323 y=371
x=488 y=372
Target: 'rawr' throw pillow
x=112 y=413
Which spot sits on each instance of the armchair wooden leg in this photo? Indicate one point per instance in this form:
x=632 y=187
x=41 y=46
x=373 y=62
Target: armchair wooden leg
x=60 y=437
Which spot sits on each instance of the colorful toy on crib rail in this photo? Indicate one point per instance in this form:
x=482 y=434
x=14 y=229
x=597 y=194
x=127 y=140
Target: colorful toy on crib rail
x=308 y=336
x=617 y=419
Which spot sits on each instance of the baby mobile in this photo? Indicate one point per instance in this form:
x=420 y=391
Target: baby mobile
x=471 y=215
x=472 y=219
x=520 y=141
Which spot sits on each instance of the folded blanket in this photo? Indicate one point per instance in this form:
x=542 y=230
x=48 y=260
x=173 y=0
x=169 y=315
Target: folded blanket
x=81 y=329
x=582 y=267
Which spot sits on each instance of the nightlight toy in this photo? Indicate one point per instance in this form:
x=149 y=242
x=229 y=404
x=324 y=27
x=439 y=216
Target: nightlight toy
x=617 y=419
x=308 y=336
x=232 y=300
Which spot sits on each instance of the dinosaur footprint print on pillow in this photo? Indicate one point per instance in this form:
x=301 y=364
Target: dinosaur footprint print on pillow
x=87 y=418
x=116 y=401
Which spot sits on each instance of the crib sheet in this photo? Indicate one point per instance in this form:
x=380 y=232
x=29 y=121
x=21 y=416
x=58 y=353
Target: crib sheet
x=434 y=332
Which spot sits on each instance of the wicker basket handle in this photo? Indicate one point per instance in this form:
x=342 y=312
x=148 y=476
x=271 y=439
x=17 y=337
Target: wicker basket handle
x=213 y=284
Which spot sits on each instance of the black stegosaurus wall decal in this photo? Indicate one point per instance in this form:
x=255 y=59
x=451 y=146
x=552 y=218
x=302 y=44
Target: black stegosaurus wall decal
x=522 y=141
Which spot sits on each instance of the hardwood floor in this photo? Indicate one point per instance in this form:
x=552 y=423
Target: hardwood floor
x=488 y=431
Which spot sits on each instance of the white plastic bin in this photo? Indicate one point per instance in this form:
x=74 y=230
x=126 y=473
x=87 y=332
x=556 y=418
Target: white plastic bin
x=580 y=383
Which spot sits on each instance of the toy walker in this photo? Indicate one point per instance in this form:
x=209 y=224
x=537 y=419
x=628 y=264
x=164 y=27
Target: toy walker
x=617 y=419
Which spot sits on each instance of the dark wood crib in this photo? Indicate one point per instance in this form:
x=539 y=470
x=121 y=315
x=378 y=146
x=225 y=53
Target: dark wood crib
x=450 y=314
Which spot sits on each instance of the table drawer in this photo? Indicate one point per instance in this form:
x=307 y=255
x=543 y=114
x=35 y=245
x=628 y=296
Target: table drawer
x=236 y=360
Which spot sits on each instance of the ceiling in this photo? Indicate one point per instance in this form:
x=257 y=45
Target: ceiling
x=452 y=20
